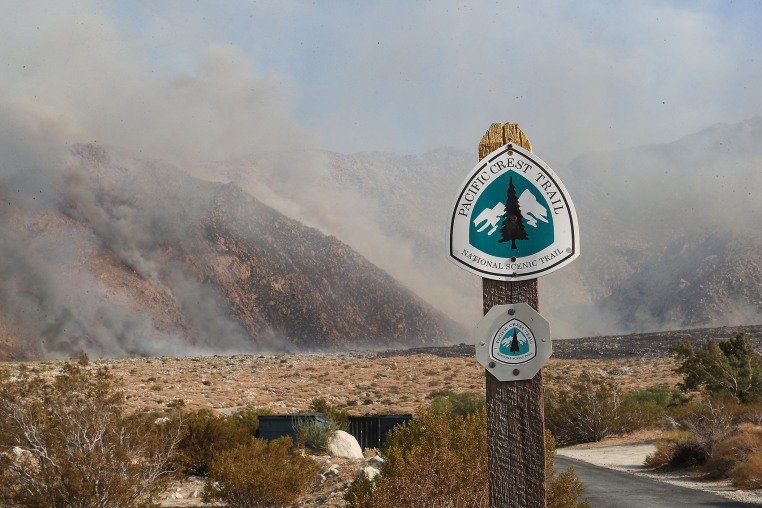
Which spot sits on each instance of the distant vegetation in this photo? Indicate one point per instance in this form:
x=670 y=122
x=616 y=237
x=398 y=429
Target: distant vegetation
x=713 y=422
x=591 y=408
x=720 y=431
x=730 y=369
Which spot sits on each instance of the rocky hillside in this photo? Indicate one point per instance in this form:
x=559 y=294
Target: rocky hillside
x=117 y=254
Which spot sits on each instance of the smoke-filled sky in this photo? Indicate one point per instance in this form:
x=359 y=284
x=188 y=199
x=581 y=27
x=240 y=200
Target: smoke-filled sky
x=216 y=79
x=195 y=83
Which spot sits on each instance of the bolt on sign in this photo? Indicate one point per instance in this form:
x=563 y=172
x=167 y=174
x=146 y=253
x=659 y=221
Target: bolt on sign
x=512 y=218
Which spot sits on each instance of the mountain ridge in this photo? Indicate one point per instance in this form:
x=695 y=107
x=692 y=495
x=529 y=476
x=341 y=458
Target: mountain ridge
x=135 y=257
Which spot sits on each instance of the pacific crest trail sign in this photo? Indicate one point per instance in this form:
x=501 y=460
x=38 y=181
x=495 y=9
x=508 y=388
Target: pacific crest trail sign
x=512 y=218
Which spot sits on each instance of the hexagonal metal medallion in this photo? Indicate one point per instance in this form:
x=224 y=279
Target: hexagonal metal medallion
x=513 y=342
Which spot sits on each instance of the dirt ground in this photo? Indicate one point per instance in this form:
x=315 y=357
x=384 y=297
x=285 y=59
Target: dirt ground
x=363 y=382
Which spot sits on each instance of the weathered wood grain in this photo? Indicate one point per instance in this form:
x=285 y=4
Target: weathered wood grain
x=516 y=420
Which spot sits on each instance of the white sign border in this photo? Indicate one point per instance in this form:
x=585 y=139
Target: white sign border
x=566 y=258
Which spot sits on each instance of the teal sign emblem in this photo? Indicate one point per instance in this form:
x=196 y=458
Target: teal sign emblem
x=513 y=219
x=513 y=343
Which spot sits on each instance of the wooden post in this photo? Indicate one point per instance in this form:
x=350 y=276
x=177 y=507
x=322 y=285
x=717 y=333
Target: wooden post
x=515 y=412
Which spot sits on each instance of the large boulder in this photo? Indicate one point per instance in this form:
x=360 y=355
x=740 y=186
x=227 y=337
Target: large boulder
x=343 y=444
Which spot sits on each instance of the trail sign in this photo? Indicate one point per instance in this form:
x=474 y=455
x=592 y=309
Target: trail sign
x=513 y=342
x=512 y=218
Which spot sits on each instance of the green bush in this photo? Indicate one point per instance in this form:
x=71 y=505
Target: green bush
x=457 y=404
x=648 y=407
x=731 y=369
x=259 y=474
x=360 y=492
x=248 y=418
x=660 y=395
x=338 y=417
x=80 y=448
x=315 y=434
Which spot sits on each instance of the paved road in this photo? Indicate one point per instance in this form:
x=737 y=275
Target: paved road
x=605 y=488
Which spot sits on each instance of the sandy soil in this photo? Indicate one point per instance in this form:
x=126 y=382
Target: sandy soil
x=364 y=382
x=628 y=454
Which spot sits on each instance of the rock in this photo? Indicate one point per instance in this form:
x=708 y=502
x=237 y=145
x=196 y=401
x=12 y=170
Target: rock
x=322 y=460
x=376 y=460
x=319 y=479
x=20 y=452
x=371 y=472
x=333 y=471
x=343 y=444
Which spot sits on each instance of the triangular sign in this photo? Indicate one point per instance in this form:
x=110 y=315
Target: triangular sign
x=512 y=218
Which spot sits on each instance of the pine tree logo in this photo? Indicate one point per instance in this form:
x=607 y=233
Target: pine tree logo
x=513 y=223
x=515 y=342
x=511 y=209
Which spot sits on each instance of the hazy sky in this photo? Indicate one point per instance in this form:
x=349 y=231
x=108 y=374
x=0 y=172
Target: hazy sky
x=400 y=76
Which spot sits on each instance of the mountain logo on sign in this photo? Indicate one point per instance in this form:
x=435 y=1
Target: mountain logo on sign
x=524 y=224
x=514 y=343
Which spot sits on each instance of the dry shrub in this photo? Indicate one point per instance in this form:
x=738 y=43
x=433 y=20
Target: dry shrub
x=710 y=424
x=746 y=413
x=564 y=491
x=259 y=474
x=733 y=450
x=666 y=447
x=206 y=435
x=662 y=455
x=435 y=461
x=76 y=447
x=705 y=426
x=748 y=474
x=439 y=460
x=587 y=410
